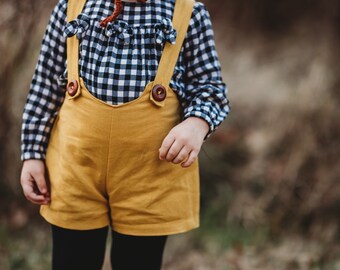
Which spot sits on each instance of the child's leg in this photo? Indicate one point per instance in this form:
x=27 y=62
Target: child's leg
x=137 y=252
x=73 y=249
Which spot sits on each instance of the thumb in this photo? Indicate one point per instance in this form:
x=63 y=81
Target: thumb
x=40 y=180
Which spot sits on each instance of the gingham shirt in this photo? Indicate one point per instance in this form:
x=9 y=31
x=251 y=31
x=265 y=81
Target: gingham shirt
x=118 y=61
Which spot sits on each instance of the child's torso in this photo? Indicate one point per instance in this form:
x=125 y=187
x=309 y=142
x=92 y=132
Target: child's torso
x=118 y=61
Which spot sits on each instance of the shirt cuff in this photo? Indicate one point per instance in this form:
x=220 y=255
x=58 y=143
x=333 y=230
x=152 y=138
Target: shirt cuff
x=32 y=155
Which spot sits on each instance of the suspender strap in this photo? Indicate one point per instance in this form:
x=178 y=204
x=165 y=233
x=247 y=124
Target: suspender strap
x=180 y=21
x=73 y=9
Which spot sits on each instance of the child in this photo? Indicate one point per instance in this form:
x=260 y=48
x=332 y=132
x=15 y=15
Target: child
x=123 y=101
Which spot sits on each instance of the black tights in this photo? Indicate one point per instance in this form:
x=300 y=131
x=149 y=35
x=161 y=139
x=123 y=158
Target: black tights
x=73 y=249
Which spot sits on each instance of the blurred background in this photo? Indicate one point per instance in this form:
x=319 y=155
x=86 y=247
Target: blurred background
x=270 y=174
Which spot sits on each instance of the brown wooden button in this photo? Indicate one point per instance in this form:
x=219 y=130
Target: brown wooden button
x=72 y=87
x=158 y=92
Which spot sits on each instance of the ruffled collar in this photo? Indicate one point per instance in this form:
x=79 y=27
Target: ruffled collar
x=121 y=29
x=77 y=27
x=164 y=30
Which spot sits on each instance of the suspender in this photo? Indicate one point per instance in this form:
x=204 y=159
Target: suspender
x=74 y=7
x=181 y=20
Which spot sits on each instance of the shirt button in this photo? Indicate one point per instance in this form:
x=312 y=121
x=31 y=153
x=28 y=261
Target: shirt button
x=158 y=92
x=72 y=87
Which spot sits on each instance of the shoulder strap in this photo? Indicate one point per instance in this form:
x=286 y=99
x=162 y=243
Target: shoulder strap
x=181 y=19
x=74 y=7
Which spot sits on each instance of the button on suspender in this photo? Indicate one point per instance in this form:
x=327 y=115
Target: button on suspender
x=181 y=20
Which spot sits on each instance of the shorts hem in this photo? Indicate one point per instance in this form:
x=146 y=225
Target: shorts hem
x=168 y=228
x=155 y=229
x=73 y=225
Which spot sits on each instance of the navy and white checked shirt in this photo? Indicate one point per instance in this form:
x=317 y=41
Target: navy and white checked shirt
x=118 y=61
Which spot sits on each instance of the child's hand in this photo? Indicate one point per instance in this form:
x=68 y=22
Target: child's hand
x=184 y=141
x=33 y=182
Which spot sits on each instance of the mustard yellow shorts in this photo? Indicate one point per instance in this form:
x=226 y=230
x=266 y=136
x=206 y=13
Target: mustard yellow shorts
x=103 y=167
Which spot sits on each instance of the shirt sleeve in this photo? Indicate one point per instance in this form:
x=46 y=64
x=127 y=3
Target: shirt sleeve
x=206 y=93
x=45 y=95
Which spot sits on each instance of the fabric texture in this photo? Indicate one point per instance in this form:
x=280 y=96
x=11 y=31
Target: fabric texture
x=118 y=61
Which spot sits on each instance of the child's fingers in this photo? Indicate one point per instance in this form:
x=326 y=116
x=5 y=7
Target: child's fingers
x=192 y=157
x=40 y=180
x=33 y=182
x=167 y=143
x=182 y=155
x=174 y=151
x=31 y=195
